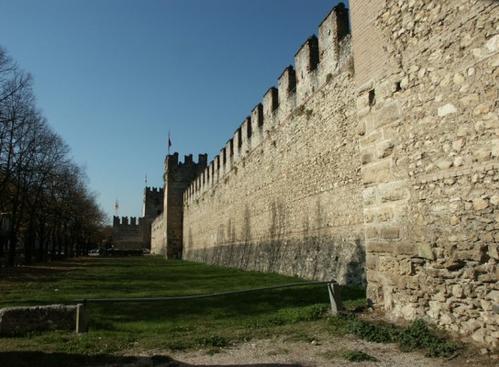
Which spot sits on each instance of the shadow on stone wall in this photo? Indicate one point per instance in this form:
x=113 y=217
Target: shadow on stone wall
x=316 y=255
x=321 y=258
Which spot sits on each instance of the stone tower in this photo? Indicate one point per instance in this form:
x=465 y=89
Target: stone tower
x=153 y=202
x=177 y=178
x=153 y=206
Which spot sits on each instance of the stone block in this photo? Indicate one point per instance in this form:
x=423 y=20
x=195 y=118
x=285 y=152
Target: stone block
x=377 y=172
x=480 y=204
x=425 y=251
x=371 y=261
x=393 y=193
x=457 y=291
x=372 y=232
x=380 y=247
x=369 y=139
x=390 y=232
x=384 y=149
x=388 y=113
x=369 y=196
x=22 y=320
x=366 y=157
x=447 y=109
x=494 y=296
x=492 y=45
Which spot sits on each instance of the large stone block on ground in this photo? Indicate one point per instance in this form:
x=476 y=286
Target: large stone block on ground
x=21 y=320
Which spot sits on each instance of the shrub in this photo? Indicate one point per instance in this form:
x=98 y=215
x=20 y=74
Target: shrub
x=358 y=356
x=420 y=336
x=214 y=341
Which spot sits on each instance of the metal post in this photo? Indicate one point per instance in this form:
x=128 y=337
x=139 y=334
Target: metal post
x=334 y=297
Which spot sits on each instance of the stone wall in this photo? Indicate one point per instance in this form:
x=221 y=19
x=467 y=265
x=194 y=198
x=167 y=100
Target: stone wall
x=135 y=233
x=280 y=197
x=430 y=159
x=158 y=236
x=128 y=233
x=392 y=168
x=178 y=176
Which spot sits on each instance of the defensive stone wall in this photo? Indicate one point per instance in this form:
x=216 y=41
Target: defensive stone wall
x=135 y=233
x=285 y=192
x=391 y=169
x=427 y=105
x=158 y=236
x=128 y=233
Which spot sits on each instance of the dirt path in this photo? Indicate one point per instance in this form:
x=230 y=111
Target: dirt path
x=327 y=352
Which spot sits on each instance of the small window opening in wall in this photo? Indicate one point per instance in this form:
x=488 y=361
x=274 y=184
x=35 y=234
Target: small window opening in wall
x=372 y=97
x=398 y=87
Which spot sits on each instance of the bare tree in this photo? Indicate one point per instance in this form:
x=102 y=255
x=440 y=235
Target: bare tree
x=43 y=193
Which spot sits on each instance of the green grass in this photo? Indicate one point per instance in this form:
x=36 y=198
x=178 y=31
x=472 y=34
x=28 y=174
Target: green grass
x=209 y=323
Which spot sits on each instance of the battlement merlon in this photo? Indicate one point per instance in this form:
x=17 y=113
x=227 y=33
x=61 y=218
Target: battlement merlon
x=188 y=159
x=306 y=59
x=270 y=102
x=172 y=161
x=203 y=160
x=223 y=161
x=229 y=152
x=246 y=133
x=125 y=221
x=257 y=117
x=287 y=82
x=153 y=191
x=334 y=27
x=286 y=87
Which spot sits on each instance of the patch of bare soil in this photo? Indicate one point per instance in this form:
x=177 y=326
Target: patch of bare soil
x=324 y=351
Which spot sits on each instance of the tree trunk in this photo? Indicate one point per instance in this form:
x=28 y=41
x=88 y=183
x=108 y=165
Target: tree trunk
x=11 y=261
x=2 y=245
x=29 y=243
x=54 y=242
x=41 y=249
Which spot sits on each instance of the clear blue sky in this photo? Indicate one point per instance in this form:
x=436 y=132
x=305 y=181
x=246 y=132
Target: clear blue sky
x=113 y=76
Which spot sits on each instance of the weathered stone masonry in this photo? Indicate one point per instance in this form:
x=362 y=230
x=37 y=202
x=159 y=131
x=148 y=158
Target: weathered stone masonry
x=283 y=200
x=430 y=158
x=391 y=168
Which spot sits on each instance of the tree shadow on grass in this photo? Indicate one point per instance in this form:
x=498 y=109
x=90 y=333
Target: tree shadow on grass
x=41 y=359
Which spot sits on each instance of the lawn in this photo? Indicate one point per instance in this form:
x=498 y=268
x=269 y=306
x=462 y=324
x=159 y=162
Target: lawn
x=125 y=327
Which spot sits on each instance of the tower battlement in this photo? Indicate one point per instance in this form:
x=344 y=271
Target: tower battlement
x=126 y=222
